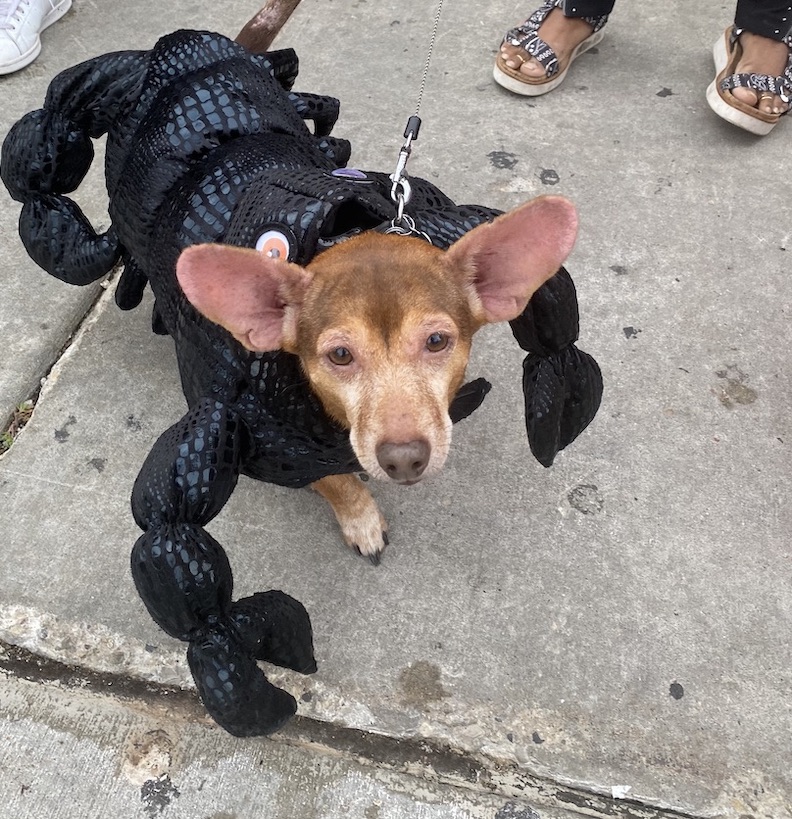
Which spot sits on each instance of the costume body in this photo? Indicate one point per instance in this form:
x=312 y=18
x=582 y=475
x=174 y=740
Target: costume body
x=205 y=143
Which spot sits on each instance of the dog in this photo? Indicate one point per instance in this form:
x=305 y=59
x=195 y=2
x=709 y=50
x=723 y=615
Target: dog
x=311 y=342
x=382 y=326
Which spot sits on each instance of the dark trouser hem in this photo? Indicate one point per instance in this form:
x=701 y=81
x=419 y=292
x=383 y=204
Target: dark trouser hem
x=768 y=18
x=588 y=8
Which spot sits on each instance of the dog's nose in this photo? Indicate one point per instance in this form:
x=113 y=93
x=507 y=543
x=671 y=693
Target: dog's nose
x=404 y=462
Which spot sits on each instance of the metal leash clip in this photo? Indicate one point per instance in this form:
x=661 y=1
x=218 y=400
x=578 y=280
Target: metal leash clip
x=401 y=191
x=406 y=227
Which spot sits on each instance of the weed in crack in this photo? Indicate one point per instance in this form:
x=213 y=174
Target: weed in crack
x=19 y=417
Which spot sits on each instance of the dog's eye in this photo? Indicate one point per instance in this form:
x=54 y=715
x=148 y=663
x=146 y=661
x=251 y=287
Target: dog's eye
x=340 y=356
x=436 y=342
x=274 y=244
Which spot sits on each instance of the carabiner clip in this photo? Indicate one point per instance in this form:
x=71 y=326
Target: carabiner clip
x=399 y=177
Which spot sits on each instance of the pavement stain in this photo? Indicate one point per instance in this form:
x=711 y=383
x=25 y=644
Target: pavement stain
x=147 y=757
x=502 y=160
x=62 y=434
x=732 y=390
x=421 y=685
x=586 y=498
x=157 y=794
x=373 y=811
x=662 y=183
x=511 y=810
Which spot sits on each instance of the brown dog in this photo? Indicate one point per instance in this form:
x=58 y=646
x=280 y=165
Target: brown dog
x=383 y=326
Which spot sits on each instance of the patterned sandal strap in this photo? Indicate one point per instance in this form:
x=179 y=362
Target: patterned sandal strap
x=518 y=34
x=779 y=86
x=596 y=22
x=539 y=50
x=526 y=38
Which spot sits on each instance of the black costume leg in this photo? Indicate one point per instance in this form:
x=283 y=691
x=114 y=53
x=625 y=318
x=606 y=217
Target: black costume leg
x=47 y=153
x=561 y=384
x=184 y=577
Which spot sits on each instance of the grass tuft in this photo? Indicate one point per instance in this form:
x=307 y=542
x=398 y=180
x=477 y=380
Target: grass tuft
x=19 y=418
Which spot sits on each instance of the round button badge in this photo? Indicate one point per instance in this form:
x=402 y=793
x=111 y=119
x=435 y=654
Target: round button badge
x=273 y=243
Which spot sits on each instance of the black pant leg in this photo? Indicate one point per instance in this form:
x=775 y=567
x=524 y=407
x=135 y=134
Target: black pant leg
x=588 y=8
x=769 y=18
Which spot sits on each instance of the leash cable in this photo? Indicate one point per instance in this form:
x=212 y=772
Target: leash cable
x=428 y=58
x=400 y=189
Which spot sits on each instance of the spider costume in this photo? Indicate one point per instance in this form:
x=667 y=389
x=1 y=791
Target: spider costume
x=206 y=143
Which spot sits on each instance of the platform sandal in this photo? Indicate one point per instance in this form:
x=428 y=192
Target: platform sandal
x=728 y=53
x=526 y=38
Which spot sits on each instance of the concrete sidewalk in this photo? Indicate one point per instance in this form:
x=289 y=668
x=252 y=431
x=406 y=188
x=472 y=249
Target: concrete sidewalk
x=609 y=637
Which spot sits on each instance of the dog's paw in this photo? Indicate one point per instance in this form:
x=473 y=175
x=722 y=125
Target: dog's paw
x=362 y=525
x=366 y=534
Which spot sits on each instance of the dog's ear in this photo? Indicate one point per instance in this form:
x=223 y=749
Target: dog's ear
x=253 y=296
x=508 y=259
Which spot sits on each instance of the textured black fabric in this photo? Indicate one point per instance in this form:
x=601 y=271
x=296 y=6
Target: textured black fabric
x=232 y=687
x=206 y=143
x=769 y=18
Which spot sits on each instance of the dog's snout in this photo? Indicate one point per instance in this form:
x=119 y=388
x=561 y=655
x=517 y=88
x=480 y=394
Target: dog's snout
x=404 y=462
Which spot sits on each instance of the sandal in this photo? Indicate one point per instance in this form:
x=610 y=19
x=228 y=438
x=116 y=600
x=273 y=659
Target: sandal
x=525 y=37
x=727 y=53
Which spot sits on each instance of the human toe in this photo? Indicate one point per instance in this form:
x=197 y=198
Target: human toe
x=746 y=95
x=763 y=101
x=519 y=60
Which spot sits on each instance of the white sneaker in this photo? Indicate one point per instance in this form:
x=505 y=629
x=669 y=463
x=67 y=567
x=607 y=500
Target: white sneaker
x=21 y=23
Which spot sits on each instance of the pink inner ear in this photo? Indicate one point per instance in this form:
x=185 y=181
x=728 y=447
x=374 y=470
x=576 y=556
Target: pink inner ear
x=242 y=290
x=514 y=255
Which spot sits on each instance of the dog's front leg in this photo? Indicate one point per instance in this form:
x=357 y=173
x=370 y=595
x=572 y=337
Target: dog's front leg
x=361 y=522
x=184 y=577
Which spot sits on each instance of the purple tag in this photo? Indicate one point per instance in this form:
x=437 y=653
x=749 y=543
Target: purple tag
x=350 y=173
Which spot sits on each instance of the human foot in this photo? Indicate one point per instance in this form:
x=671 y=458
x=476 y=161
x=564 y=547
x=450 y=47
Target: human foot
x=535 y=57
x=21 y=24
x=762 y=56
x=562 y=34
x=753 y=84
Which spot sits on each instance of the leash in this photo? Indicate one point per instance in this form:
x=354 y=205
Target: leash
x=402 y=223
